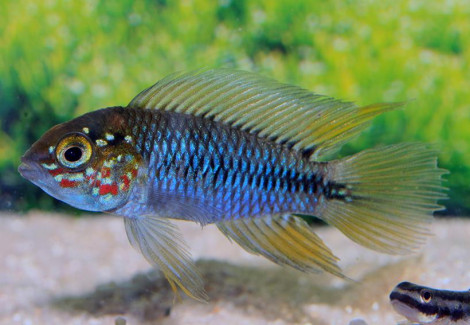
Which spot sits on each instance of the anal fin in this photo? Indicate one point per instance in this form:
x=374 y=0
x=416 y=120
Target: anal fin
x=285 y=240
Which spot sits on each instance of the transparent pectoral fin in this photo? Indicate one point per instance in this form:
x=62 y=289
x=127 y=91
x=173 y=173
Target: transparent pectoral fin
x=161 y=244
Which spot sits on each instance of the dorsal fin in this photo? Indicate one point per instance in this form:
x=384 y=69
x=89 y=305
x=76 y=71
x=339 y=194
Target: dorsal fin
x=286 y=114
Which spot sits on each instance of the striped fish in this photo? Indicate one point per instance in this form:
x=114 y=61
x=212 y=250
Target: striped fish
x=248 y=154
x=425 y=305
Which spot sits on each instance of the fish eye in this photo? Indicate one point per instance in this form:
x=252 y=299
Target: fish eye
x=73 y=154
x=426 y=296
x=74 y=151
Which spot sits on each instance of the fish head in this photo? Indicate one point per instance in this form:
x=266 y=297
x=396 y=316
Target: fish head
x=89 y=162
x=415 y=302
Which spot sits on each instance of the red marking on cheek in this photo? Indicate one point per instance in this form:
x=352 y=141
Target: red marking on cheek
x=57 y=171
x=68 y=183
x=105 y=172
x=93 y=181
x=134 y=173
x=126 y=183
x=109 y=188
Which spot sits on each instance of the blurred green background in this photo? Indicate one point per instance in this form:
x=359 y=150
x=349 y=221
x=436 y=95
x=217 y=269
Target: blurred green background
x=60 y=59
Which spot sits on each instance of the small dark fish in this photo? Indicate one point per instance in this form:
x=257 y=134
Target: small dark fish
x=248 y=154
x=425 y=305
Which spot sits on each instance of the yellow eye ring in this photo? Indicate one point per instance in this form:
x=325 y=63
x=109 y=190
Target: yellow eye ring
x=74 y=151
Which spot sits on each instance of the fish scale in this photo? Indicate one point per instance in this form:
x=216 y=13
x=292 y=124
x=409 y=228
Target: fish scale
x=248 y=154
x=165 y=141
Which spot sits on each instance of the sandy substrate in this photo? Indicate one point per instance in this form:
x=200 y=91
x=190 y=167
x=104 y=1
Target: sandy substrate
x=61 y=270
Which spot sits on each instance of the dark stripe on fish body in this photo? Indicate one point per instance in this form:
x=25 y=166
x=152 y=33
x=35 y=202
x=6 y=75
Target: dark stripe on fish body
x=454 y=305
x=235 y=149
x=446 y=295
x=427 y=309
x=203 y=153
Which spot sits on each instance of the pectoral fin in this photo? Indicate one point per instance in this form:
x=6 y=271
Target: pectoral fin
x=160 y=243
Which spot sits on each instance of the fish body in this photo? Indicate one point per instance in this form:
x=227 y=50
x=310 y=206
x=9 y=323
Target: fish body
x=247 y=154
x=424 y=305
x=200 y=170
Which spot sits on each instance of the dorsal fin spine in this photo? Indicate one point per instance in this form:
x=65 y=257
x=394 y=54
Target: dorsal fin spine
x=155 y=99
x=266 y=116
x=202 y=103
x=195 y=89
x=269 y=125
x=173 y=96
x=281 y=113
x=169 y=98
x=232 y=108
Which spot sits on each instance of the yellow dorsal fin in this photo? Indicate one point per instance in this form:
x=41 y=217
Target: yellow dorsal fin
x=285 y=240
x=283 y=113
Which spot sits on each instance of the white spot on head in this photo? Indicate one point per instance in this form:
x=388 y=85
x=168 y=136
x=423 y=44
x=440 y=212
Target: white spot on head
x=86 y=130
x=107 y=197
x=89 y=171
x=107 y=181
x=109 y=163
x=76 y=177
x=51 y=149
x=49 y=166
x=101 y=143
x=128 y=138
x=109 y=136
x=119 y=158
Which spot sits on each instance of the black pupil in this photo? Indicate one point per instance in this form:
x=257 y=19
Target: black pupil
x=73 y=154
x=426 y=295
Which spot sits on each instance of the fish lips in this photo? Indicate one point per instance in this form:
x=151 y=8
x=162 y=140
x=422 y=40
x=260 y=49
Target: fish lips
x=29 y=167
x=403 y=309
x=28 y=170
x=411 y=313
x=33 y=173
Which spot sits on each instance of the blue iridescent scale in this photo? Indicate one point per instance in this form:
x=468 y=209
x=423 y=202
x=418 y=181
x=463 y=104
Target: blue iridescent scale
x=219 y=171
x=243 y=152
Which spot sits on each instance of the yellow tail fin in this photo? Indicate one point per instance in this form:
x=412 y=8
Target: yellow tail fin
x=391 y=194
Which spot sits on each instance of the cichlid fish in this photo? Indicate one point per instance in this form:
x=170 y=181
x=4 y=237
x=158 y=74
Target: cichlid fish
x=248 y=154
x=425 y=305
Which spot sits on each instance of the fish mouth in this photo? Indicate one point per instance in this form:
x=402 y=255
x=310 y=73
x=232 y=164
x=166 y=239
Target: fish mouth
x=26 y=170
x=411 y=313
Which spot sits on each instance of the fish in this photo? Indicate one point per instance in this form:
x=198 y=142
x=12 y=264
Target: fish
x=424 y=305
x=249 y=154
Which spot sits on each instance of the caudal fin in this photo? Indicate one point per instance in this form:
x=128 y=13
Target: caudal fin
x=390 y=196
